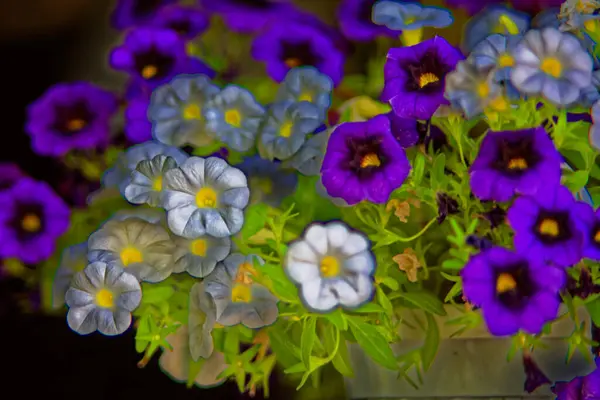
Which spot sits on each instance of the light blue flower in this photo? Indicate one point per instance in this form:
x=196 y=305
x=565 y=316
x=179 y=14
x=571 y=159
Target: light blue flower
x=409 y=16
x=309 y=158
x=591 y=94
x=307 y=84
x=205 y=197
x=176 y=110
x=73 y=260
x=494 y=19
x=237 y=298
x=198 y=257
x=551 y=63
x=234 y=116
x=495 y=51
x=270 y=183
x=594 y=133
x=285 y=128
x=146 y=183
x=201 y=319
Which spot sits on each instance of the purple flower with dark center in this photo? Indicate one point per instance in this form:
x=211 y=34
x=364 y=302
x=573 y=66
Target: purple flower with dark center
x=32 y=217
x=129 y=13
x=580 y=388
x=415 y=77
x=515 y=293
x=446 y=206
x=187 y=22
x=289 y=44
x=138 y=128
x=405 y=130
x=535 y=377
x=355 y=21
x=590 y=220
x=512 y=162
x=70 y=116
x=249 y=16
x=431 y=135
x=547 y=226
x=363 y=161
x=9 y=175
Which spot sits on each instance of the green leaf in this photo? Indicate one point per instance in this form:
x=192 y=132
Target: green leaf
x=593 y=309
x=368 y=308
x=208 y=149
x=338 y=319
x=232 y=341
x=156 y=294
x=255 y=219
x=438 y=178
x=373 y=342
x=287 y=352
x=385 y=302
x=341 y=359
x=424 y=300
x=432 y=342
x=453 y=263
x=576 y=180
x=418 y=168
x=391 y=283
x=307 y=340
x=194 y=369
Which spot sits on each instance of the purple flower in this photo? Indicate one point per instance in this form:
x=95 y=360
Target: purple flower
x=512 y=162
x=515 y=293
x=580 y=388
x=187 y=22
x=415 y=77
x=130 y=13
x=288 y=44
x=591 y=230
x=307 y=18
x=9 y=175
x=535 y=376
x=138 y=128
x=471 y=6
x=355 y=21
x=547 y=226
x=363 y=161
x=405 y=130
x=249 y=16
x=32 y=217
x=70 y=116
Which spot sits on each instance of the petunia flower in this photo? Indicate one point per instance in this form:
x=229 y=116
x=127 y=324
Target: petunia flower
x=234 y=116
x=405 y=130
x=138 y=128
x=496 y=216
x=238 y=299
x=285 y=127
x=73 y=260
x=495 y=51
x=102 y=297
x=309 y=159
x=32 y=218
x=590 y=220
x=307 y=84
x=415 y=77
x=589 y=95
x=332 y=266
x=250 y=16
x=269 y=182
x=471 y=6
x=535 y=377
x=548 y=18
x=553 y=64
x=515 y=293
x=547 y=226
x=198 y=257
x=176 y=110
x=409 y=263
x=494 y=19
x=145 y=185
x=205 y=197
x=356 y=23
x=187 y=22
x=144 y=249
x=510 y=162
x=479 y=243
x=288 y=44
x=10 y=174
x=70 y=116
x=130 y=13
x=363 y=161
x=582 y=387
x=202 y=318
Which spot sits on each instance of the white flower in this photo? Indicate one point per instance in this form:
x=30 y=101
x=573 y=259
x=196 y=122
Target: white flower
x=198 y=257
x=73 y=260
x=102 y=297
x=146 y=182
x=332 y=267
x=205 y=197
x=201 y=319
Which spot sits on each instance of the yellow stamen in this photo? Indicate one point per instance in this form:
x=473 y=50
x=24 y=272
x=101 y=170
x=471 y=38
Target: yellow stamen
x=130 y=255
x=75 y=125
x=105 y=299
x=233 y=118
x=506 y=60
x=483 y=90
x=286 y=129
x=192 y=111
x=549 y=227
x=370 y=160
x=198 y=247
x=31 y=223
x=427 y=78
x=305 y=97
x=245 y=273
x=517 y=164
x=499 y=104
x=552 y=66
x=206 y=198
x=505 y=283
x=591 y=25
x=597 y=237
x=508 y=24
x=241 y=294
x=157 y=184
x=330 y=267
x=293 y=62
x=149 y=71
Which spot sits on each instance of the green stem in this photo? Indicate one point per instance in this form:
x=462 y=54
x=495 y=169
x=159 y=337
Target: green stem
x=416 y=235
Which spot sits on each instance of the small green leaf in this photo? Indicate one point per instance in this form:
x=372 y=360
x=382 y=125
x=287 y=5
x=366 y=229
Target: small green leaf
x=373 y=342
x=232 y=341
x=438 y=178
x=386 y=304
x=307 y=340
x=432 y=342
x=287 y=352
x=341 y=359
x=255 y=219
x=194 y=369
x=368 y=308
x=453 y=263
x=338 y=319
x=419 y=168
x=391 y=283
x=593 y=309
x=156 y=294
x=424 y=300
x=576 y=180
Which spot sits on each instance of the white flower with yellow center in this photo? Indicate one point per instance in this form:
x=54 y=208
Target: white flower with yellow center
x=332 y=267
x=144 y=249
x=146 y=182
x=237 y=298
x=73 y=260
x=198 y=257
x=102 y=297
x=201 y=320
x=205 y=197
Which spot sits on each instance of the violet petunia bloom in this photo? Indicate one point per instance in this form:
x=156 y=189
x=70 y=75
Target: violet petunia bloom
x=363 y=161
x=138 y=128
x=288 y=44
x=355 y=21
x=405 y=130
x=129 y=13
x=187 y=22
x=580 y=388
x=515 y=293
x=10 y=174
x=590 y=219
x=547 y=226
x=249 y=16
x=32 y=217
x=70 y=116
x=415 y=77
x=514 y=162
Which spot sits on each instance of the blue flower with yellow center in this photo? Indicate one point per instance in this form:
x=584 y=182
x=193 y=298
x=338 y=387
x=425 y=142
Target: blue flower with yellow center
x=198 y=257
x=495 y=52
x=307 y=84
x=494 y=19
x=410 y=16
x=269 y=182
x=309 y=158
x=145 y=185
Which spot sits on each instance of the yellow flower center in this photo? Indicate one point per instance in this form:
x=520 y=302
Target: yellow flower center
x=192 y=111
x=517 y=164
x=597 y=237
x=506 y=60
x=330 y=267
x=241 y=293
x=75 y=125
x=427 y=78
x=370 y=160
x=483 y=90
x=149 y=71
x=105 y=299
x=591 y=25
x=292 y=62
x=206 y=198
x=233 y=118
x=499 y=104
x=198 y=247
x=286 y=129
x=31 y=223
x=130 y=255
x=552 y=66
x=305 y=97
x=157 y=184
x=505 y=283
x=549 y=227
